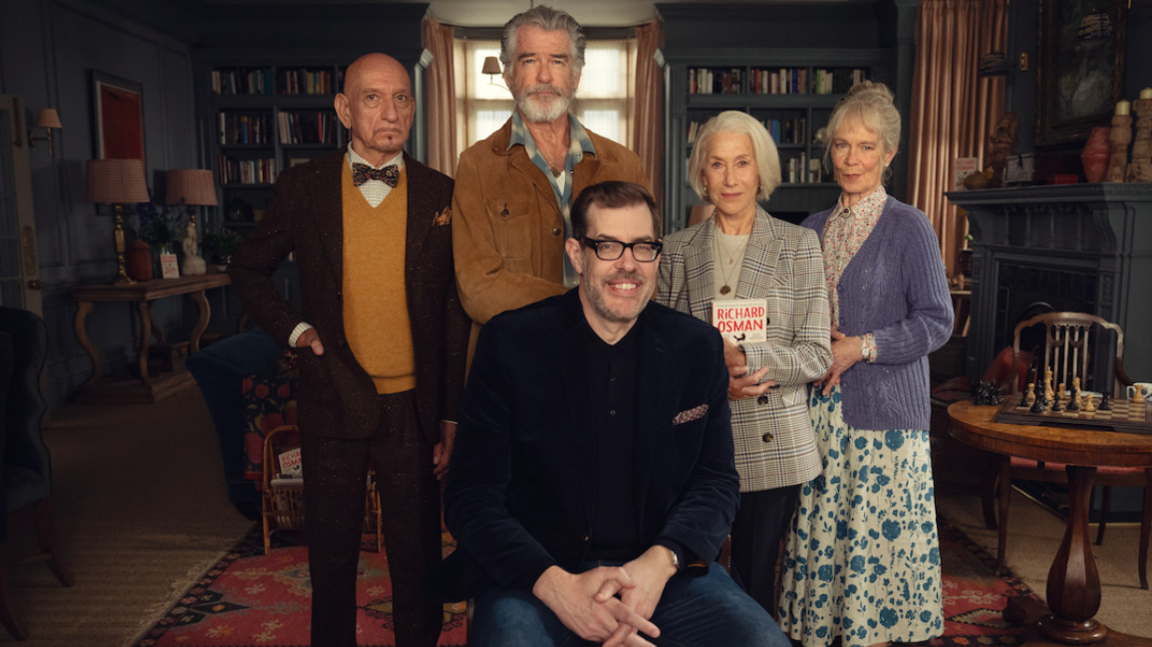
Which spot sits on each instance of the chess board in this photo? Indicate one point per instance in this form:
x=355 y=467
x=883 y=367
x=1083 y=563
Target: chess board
x=1124 y=416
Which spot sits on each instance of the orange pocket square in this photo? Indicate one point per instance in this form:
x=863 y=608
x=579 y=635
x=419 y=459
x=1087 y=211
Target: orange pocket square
x=443 y=218
x=688 y=415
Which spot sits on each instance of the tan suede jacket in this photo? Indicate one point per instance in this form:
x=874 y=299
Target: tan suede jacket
x=507 y=231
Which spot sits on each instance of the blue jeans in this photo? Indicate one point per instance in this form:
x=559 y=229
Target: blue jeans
x=704 y=611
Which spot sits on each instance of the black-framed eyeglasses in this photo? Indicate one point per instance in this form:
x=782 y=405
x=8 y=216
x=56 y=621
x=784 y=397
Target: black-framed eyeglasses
x=609 y=250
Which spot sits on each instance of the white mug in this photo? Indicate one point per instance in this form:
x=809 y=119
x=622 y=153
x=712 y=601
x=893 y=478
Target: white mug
x=1145 y=390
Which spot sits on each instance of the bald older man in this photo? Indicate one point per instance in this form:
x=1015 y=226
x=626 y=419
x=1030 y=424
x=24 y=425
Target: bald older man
x=381 y=338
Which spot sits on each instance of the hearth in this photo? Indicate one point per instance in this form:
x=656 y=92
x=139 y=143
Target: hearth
x=1084 y=248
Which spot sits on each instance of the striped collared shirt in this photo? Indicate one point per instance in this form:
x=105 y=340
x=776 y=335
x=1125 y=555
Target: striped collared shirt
x=561 y=186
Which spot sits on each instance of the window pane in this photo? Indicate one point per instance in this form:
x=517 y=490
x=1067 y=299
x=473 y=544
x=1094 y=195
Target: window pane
x=605 y=70
x=488 y=122
x=485 y=86
x=602 y=122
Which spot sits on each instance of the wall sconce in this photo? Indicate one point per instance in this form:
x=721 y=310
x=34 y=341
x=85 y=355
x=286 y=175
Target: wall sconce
x=117 y=182
x=492 y=68
x=48 y=119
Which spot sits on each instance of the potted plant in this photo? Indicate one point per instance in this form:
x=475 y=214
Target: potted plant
x=161 y=227
x=222 y=245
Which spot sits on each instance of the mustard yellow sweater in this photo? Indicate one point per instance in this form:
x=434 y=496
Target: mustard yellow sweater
x=375 y=300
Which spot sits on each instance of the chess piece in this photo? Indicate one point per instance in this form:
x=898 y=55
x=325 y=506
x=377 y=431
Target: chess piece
x=1140 y=168
x=1048 y=393
x=1137 y=395
x=1105 y=402
x=1074 y=396
x=1089 y=403
x=1038 y=406
x=1120 y=137
x=1056 y=408
x=1030 y=397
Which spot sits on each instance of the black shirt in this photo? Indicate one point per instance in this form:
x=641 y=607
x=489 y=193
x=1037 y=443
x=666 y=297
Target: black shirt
x=612 y=374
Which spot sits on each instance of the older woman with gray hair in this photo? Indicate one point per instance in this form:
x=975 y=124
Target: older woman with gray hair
x=862 y=560
x=772 y=272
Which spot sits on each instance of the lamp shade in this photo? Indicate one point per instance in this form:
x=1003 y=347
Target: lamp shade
x=116 y=181
x=491 y=65
x=48 y=118
x=191 y=186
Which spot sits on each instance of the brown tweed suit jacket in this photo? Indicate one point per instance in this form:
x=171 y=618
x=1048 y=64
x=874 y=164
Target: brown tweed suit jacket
x=305 y=214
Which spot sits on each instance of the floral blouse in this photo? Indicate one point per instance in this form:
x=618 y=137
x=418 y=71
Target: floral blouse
x=845 y=232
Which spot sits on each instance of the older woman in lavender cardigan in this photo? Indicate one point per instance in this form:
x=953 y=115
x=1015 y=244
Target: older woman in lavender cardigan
x=862 y=561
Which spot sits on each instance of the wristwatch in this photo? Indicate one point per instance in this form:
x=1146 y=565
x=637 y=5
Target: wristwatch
x=675 y=560
x=865 y=351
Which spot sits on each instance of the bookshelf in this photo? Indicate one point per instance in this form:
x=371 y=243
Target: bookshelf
x=261 y=119
x=791 y=91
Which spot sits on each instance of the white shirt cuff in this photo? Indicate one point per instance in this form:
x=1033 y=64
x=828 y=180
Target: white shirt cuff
x=296 y=332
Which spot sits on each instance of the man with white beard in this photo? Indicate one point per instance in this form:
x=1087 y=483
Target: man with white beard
x=514 y=190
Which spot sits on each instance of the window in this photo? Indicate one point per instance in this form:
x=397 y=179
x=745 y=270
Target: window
x=603 y=100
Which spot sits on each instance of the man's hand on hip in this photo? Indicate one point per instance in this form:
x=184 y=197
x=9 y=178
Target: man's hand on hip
x=577 y=602
x=310 y=338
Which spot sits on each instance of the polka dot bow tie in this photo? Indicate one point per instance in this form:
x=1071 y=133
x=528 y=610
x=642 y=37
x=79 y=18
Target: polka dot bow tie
x=389 y=175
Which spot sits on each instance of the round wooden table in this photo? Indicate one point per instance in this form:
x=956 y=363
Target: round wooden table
x=1073 y=582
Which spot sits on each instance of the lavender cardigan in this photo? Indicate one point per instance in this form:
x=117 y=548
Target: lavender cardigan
x=894 y=288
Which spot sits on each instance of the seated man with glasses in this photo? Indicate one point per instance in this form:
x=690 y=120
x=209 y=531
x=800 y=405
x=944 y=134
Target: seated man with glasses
x=593 y=480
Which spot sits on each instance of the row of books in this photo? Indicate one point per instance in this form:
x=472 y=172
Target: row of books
x=801 y=170
x=242 y=80
x=784 y=131
x=233 y=129
x=308 y=127
x=305 y=81
x=246 y=171
x=783 y=80
x=704 y=80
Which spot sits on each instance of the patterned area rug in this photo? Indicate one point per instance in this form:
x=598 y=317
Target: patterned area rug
x=252 y=600
x=974 y=596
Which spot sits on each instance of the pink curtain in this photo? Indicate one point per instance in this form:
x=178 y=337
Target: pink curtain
x=441 y=97
x=648 y=120
x=953 y=109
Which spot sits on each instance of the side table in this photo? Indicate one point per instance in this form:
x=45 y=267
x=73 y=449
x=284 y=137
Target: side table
x=1073 y=590
x=100 y=388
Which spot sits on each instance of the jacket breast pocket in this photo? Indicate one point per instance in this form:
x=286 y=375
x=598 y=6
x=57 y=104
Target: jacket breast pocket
x=513 y=227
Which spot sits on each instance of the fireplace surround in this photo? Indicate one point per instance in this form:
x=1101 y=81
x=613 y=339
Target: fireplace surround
x=1080 y=247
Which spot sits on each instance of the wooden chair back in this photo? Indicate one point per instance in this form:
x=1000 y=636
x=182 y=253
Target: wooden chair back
x=1068 y=346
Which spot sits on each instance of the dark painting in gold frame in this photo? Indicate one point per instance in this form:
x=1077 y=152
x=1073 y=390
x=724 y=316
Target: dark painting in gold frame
x=1081 y=72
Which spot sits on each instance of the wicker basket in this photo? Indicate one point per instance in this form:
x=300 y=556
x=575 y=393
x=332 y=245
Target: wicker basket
x=283 y=498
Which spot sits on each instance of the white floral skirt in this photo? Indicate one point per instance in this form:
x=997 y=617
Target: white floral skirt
x=862 y=560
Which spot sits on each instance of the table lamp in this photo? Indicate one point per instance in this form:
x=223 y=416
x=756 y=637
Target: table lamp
x=116 y=182
x=195 y=188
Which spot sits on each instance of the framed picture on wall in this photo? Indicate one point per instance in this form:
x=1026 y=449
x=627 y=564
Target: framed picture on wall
x=1081 y=72
x=118 y=117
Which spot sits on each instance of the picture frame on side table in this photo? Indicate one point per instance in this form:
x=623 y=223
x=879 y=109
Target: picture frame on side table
x=1081 y=72
x=118 y=117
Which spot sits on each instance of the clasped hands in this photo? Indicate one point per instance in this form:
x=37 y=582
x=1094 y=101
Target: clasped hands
x=609 y=604
x=441 y=451
x=846 y=351
x=742 y=382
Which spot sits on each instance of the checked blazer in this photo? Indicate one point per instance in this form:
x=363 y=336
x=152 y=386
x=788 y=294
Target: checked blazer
x=775 y=445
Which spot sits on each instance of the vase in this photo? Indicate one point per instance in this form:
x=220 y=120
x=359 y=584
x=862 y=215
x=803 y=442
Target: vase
x=138 y=260
x=1095 y=155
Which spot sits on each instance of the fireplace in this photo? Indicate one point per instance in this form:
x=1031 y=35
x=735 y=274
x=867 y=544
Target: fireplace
x=1083 y=248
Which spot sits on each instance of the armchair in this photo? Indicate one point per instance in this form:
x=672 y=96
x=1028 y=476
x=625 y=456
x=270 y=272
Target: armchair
x=25 y=464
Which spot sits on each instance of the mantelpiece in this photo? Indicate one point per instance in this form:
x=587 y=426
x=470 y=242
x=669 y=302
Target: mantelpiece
x=1075 y=247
